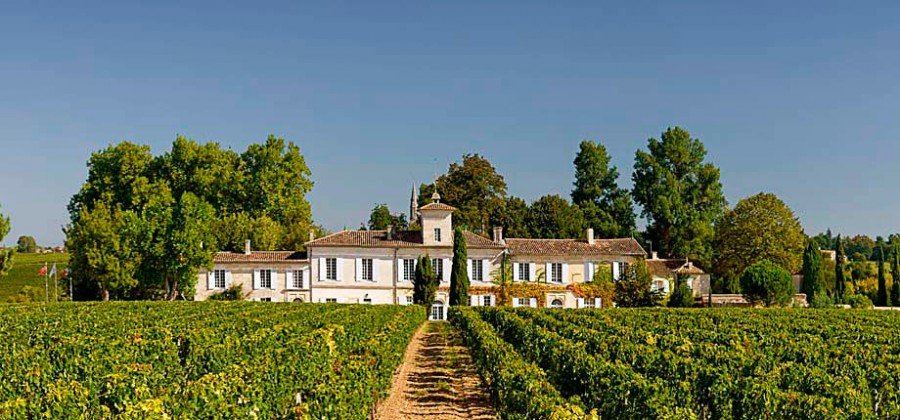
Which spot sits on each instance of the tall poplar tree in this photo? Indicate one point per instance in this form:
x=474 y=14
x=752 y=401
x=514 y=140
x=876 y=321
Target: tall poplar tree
x=813 y=278
x=882 y=284
x=839 y=280
x=459 y=274
x=680 y=195
x=895 y=276
x=425 y=284
x=607 y=208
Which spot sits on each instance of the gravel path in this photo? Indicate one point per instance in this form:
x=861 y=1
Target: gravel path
x=437 y=380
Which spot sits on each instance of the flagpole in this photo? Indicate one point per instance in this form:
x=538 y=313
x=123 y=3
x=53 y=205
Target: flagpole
x=56 y=286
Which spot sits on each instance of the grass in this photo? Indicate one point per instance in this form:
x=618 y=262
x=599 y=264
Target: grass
x=25 y=273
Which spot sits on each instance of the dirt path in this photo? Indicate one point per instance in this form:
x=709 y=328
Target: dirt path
x=437 y=380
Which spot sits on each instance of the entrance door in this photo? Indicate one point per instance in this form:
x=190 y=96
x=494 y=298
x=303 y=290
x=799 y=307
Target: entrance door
x=437 y=311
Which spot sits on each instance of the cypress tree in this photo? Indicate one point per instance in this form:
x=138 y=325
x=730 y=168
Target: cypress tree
x=839 y=271
x=459 y=274
x=895 y=277
x=425 y=284
x=813 y=278
x=882 y=284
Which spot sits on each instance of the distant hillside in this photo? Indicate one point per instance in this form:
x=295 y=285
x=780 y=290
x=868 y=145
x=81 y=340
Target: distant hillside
x=25 y=273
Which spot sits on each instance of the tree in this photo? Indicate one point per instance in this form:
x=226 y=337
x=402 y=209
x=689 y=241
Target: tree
x=860 y=248
x=6 y=254
x=607 y=208
x=682 y=296
x=633 y=289
x=761 y=227
x=459 y=274
x=813 y=282
x=680 y=195
x=839 y=281
x=26 y=245
x=102 y=245
x=551 y=216
x=882 y=284
x=824 y=240
x=381 y=218
x=425 y=284
x=474 y=187
x=767 y=283
x=510 y=215
x=895 y=277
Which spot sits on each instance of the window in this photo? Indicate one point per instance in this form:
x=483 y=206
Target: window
x=265 y=299
x=219 y=279
x=265 y=279
x=437 y=234
x=589 y=303
x=525 y=271
x=438 y=265
x=331 y=269
x=486 y=300
x=297 y=279
x=477 y=270
x=330 y=300
x=367 y=300
x=409 y=299
x=409 y=270
x=556 y=303
x=366 y=270
x=524 y=302
x=556 y=275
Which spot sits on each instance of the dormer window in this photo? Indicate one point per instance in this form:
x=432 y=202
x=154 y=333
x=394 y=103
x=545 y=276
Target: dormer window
x=437 y=234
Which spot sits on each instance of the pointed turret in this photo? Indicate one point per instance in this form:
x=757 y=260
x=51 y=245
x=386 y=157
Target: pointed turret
x=413 y=205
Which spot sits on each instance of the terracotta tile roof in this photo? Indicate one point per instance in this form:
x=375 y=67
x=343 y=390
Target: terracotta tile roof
x=259 y=256
x=623 y=246
x=400 y=239
x=667 y=268
x=437 y=206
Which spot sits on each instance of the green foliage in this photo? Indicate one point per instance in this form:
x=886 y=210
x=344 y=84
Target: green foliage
x=840 y=282
x=861 y=248
x=381 y=218
x=235 y=292
x=26 y=245
x=551 y=216
x=821 y=300
x=6 y=255
x=474 y=187
x=761 y=227
x=459 y=274
x=426 y=283
x=633 y=289
x=882 y=299
x=606 y=207
x=768 y=284
x=895 y=277
x=680 y=195
x=510 y=215
x=859 y=302
x=24 y=273
x=199 y=359
x=29 y=294
x=681 y=296
x=813 y=282
x=519 y=388
x=825 y=240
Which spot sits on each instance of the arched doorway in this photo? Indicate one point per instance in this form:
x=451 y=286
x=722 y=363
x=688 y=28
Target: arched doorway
x=438 y=313
x=298 y=300
x=556 y=303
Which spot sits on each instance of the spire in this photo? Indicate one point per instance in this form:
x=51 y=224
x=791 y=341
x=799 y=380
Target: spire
x=413 y=204
x=435 y=197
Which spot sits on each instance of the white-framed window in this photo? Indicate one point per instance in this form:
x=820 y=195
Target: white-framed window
x=330 y=300
x=366 y=270
x=526 y=302
x=525 y=271
x=556 y=303
x=268 y=299
x=437 y=234
x=219 y=279
x=409 y=299
x=297 y=279
x=438 y=265
x=486 y=300
x=589 y=303
x=331 y=269
x=265 y=279
x=477 y=270
x=618 y=270
x=556 y=273
x=409 y=269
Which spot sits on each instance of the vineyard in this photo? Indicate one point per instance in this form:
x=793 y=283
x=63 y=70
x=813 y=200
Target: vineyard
x=199 y=359
x=732 y=364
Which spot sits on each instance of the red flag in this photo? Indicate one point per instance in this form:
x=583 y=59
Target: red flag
x=43 y=270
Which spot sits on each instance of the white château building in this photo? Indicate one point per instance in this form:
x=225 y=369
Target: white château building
x=377 y=267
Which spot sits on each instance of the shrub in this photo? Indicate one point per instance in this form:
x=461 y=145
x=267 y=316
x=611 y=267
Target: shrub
x=682 y=296
x=768 y=284
x=235 y=292
x=821 y=300
x=859 y=302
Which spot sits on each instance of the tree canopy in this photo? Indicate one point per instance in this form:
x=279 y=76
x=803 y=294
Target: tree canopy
x=760 y=227
x=474 y=187
x=606 y=207
x=381 y=218
x=767 y=283
x=813 y=283
x=551 y=216
x=6 y=254
x=26 y=244
x=680 y=195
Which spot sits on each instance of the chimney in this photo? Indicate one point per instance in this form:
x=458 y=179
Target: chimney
x=312 y=234
x=654 y=255
x=590 y=236
x=390 y=233
x=498 y=235
x=247 y=247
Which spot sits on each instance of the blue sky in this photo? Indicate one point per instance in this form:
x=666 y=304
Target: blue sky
x=797 y=98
